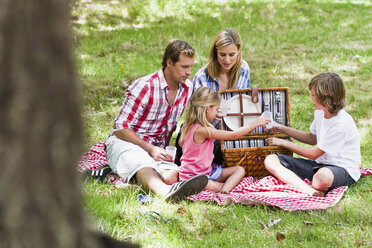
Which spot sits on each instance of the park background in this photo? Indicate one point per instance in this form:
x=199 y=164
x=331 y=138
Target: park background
x=285 y=43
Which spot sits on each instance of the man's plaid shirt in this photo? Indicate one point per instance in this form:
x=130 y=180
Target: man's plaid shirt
x=147 y=112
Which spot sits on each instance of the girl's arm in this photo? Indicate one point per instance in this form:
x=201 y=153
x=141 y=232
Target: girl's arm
x=304 y=137
x=308 y=152
x=211 y=132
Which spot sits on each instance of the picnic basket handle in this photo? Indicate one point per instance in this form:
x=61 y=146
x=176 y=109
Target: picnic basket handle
x=242 y=159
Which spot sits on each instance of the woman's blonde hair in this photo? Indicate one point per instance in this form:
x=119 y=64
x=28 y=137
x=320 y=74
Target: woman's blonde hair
x=197 y=106
x=223 y=38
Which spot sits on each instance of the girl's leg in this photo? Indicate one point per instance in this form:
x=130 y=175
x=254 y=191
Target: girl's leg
x=273 y=165
x=170 y=176
x=214 y=186
x=232 y=176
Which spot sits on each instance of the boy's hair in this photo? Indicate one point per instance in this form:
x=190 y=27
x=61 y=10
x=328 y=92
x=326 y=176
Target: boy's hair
x=196 y=111
x=329 y=89
x=174 y=49
x=224 y=38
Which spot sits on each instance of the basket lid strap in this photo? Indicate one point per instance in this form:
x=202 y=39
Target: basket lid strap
x=255 y=94
x=241 y=110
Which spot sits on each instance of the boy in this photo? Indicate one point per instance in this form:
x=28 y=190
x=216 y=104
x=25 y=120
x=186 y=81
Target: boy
x=334 y=159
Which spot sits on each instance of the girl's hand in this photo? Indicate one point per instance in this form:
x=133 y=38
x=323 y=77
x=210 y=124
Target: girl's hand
x=274 y=126
x=274 y=141
x=261 y=121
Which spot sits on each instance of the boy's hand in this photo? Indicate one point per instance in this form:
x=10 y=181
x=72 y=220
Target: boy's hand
x=261 y=121
x=274 y=126
x=274 y=141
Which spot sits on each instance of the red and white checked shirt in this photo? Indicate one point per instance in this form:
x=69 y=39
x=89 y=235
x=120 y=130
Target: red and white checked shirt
x=147 y=112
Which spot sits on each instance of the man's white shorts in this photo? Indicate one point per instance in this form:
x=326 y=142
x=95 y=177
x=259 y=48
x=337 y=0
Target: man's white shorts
x=126 y=158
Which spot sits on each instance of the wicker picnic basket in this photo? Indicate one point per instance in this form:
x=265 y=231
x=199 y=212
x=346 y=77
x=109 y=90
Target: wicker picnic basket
x=251 y=150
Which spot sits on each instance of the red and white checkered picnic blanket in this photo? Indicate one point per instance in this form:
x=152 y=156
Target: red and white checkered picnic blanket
x=250 y=191
x=94 y=158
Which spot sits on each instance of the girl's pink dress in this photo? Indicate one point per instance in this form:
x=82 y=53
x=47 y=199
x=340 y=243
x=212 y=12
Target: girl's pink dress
x=196 y=158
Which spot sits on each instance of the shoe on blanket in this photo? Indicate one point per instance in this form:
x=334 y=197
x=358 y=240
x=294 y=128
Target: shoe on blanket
x=181 y=190
x=100 y=173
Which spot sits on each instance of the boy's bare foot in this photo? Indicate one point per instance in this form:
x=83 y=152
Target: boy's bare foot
x=319 y=193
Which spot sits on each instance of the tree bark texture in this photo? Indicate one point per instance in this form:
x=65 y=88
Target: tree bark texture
x=40 y=130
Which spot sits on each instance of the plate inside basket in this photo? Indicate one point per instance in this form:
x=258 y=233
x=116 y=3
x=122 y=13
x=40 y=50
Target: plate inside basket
x=234 y=122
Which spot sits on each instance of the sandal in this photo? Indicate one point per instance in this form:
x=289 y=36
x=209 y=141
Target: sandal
x=181 y=190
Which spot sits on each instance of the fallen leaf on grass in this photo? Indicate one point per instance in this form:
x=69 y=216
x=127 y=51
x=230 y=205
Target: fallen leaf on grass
x=181 y=210
x=273 y=222
x=280 y=236
x=221 y=211
x=269 y=224
x=104 y=193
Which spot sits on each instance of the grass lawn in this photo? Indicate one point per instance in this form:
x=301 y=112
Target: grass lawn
x=285 y=43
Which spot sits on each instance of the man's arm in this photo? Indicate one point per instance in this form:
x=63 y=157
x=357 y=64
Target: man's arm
x=156 y=152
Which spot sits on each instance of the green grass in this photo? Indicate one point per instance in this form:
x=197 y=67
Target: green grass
x=285 y=43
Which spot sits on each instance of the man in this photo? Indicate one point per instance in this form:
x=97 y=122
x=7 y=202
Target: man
x=145 y=124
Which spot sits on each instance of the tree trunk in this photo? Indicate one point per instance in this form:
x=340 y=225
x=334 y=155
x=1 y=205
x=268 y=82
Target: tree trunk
x=40 y=130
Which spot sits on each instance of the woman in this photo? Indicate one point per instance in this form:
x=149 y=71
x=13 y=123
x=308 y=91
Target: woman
x=225 y=70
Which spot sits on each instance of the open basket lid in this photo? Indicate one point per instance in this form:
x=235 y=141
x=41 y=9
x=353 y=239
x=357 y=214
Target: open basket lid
x=242 y=111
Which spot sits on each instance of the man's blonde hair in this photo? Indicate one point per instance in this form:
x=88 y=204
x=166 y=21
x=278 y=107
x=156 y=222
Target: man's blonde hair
x=329 y=89
x=196 y=110
x=223 y=38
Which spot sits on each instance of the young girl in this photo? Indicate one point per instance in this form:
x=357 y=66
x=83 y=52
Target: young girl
x=197 y=144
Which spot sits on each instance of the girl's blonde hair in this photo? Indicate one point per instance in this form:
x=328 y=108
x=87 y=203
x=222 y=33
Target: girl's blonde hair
x=223 y=38
x=197 y=106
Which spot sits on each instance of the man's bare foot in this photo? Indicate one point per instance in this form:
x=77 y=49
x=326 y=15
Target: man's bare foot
x=319 y=193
